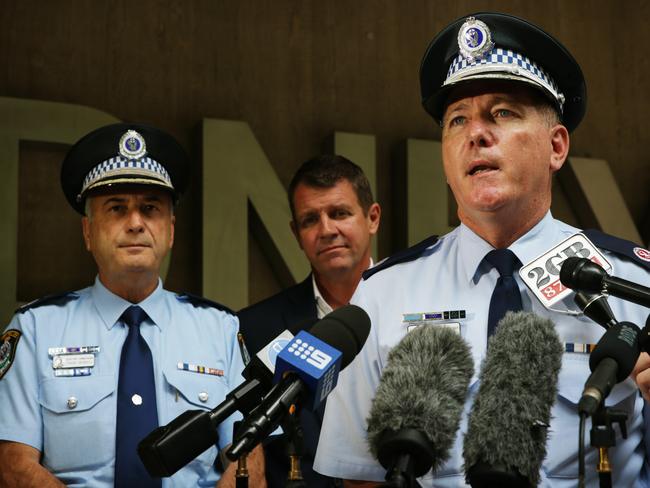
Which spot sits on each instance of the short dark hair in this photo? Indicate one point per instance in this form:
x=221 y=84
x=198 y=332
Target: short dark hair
x=326 y=171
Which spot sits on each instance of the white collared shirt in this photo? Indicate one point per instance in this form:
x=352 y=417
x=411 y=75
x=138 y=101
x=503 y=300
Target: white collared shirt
x=322 y=307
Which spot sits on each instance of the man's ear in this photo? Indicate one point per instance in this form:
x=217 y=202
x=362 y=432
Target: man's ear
x=374 y=216
x=85 y=229
x=560 y=147
x=171 y=237
x=294 y=231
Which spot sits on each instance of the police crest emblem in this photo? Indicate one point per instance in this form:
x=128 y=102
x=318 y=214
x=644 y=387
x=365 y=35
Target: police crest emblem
x=8 y=344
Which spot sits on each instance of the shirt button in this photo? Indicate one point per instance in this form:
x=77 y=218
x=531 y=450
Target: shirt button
x=203 y=396
x=72 y=402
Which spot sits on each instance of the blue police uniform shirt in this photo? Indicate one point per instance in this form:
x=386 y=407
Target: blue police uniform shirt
x=71 y=420
x=450 y=276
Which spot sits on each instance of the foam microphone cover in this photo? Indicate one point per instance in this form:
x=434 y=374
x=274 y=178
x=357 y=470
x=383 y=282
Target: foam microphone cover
x=508 y=424
x=422 y=389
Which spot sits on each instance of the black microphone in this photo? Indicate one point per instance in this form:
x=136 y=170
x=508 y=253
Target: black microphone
x=505 y=442
x=345 y=329
x=585 y=275
x=419 y=401
x=596 y=307
x=611 y=362
x=170 y=447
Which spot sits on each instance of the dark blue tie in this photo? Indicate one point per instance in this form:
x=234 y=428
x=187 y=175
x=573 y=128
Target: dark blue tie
x=136 y=404
x=506 y=294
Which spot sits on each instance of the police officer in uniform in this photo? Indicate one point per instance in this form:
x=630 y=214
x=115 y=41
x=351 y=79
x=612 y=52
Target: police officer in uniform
x=506 y=95
x=84 y=376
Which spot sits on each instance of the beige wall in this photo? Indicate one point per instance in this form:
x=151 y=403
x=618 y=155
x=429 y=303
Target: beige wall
x=295 y=72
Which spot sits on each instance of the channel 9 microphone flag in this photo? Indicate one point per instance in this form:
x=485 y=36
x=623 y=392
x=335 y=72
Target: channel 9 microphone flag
x=507 y=429
x=419 y=401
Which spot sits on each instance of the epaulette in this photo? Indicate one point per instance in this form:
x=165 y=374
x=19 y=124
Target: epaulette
x=202 y=302
x=623 y=247
x=58 y=299
x=404 y=256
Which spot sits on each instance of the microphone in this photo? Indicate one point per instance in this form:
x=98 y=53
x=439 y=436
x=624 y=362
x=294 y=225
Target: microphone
x=585 y=275
x=308 y=367
x=419 y=401
x=505 y=442
x=611 y=362
x=596 y=307
x=170 y=447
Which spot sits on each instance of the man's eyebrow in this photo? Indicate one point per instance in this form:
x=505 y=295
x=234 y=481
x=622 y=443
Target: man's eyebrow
x=505 y=98
x=152 y=198
x=112 y=200
x=455 y=106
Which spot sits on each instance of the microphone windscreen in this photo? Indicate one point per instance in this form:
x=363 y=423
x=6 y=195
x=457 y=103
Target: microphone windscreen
x=423 y=388
x=345 y=329
x=508 y=424
x=621 y=343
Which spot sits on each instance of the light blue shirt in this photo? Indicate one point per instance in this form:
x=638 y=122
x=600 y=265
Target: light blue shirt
x=77 y=437
x=450 y=275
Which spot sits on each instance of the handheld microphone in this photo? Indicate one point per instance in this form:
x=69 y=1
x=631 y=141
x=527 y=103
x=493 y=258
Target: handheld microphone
x=334 y=340
x=170 y=447
x=419 y=401
x=505 y=442
x=585 y=275
x=611 y=362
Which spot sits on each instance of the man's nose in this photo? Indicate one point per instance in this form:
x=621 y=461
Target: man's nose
x=480 y=132
x=327 y=226
x=135 y=221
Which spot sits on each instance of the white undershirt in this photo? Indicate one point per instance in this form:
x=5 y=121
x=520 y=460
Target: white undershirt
x=322 y=307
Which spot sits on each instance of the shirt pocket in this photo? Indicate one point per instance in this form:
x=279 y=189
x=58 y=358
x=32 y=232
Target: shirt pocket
x=194 y=390
x=78 y=422
x=561 y=449
x=188 y=392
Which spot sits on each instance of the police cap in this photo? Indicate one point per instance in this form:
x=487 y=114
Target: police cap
x=490 y=45
x=120 y=154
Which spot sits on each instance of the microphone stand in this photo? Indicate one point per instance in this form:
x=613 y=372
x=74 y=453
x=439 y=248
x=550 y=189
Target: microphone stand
x=603 y=437
x=295 y=448
x=241 y=474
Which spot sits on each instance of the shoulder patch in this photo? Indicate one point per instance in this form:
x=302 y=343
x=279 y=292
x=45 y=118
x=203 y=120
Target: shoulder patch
x=8 y=344
x=622 y=247
x=58 y=299
x=202 y=302
x=409 y=254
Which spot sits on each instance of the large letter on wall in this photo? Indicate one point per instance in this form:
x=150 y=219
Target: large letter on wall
x=427 y=203
x=360 y=149
x=30 y=120
x=235 y=171
x=592 y=191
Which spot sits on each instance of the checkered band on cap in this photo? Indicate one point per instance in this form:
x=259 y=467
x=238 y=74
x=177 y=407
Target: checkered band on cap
x=127 y=169
x=507 y=64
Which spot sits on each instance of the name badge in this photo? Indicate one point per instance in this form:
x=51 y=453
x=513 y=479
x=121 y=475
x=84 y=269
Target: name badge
x=64 y=361
x=455 y=326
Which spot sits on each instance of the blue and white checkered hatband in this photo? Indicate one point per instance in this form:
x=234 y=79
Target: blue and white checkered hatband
x=504 y=64
x=122 y=170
